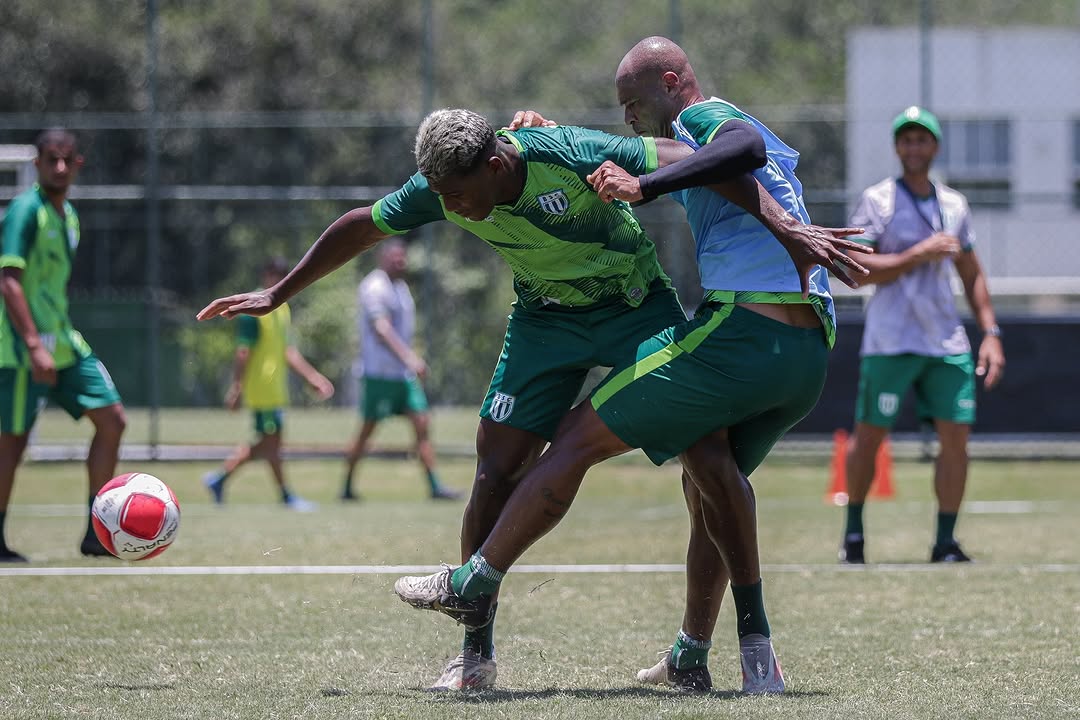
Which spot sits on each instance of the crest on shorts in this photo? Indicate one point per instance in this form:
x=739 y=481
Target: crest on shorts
x=501 y=407
x=555 y=203
x=888 y=403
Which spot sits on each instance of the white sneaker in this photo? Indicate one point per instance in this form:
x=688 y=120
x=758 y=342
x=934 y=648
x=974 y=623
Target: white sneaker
x=468 y=671
x=434 y=592
x=695 y=679
x=299 y=504
x=761 y=672
x=658 y=673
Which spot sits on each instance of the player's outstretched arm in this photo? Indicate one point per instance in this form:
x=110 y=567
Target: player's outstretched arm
x=348 y=236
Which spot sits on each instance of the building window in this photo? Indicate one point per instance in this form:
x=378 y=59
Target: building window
x=975 y=156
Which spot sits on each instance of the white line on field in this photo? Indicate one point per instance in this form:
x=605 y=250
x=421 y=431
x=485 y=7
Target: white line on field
x=534 y=569
x=976 y=507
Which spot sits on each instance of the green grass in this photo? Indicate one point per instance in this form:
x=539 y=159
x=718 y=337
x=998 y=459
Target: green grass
x=997 y=639
x=303 y=426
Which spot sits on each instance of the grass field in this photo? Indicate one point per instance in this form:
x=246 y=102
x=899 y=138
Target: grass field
x=998 y=639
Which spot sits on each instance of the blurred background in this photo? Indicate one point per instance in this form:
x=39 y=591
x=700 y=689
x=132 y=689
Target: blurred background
x=219 y=134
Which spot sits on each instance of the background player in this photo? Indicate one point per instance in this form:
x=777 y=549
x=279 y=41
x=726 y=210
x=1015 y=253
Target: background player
x=42 y=356
x=913 y=337
x=264 y=354
x=391 y=371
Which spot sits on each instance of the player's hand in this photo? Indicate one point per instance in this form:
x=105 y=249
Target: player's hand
x=42 y=366
x=529 y=118
x=938 y=247
x=810 y=245
x=253 y=303
x=323 y=387
x=418 y=367
x=232 y=396
x=611 y=182
x=991 y=364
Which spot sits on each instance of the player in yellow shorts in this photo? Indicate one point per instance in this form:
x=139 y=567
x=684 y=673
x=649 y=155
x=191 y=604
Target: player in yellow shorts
x=263 y=357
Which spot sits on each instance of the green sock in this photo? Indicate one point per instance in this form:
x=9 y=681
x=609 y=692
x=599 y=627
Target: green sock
x=750 y=610
x=689 y=652
x=482 y=640
x=432 y=480
x=946 y=524
x=854 y=519
x=475 y=578
x=3 y=517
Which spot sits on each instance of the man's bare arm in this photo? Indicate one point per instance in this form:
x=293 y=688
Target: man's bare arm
x=348 y=236
x=42 y=365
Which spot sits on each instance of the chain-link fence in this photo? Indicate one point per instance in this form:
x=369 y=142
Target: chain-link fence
x=215 y=138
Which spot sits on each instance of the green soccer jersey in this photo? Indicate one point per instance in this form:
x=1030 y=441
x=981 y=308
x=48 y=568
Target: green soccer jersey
x=563 y=244
x=37 y=240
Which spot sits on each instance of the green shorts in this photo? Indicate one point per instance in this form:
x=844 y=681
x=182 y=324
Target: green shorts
x=268 y=422
x=944 y=388
x=548 y=352
x=730 y=368
x=86 y=385
x=385 y=398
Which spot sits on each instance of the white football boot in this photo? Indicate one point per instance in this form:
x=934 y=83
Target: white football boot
x=760 y=669
x=468 y=671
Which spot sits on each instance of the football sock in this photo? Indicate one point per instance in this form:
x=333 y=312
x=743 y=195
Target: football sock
x=750 y=610
x=3 y=517
x=946 y=524
x=482 y=640
x=432 y=480
x=286 y=496
x=475 y=578
x=854 y=519
x=347 y=488
x=689 y=652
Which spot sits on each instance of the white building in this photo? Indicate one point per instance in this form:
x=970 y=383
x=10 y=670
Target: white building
x=1009 y=102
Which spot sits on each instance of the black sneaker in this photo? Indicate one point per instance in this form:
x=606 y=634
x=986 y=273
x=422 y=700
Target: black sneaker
x=92 y=547
x=948 y=553
x=851 y=552
x=690 y=680
x=7 y=555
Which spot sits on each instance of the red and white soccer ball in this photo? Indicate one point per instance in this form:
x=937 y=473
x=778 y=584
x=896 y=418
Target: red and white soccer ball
x=135 y=516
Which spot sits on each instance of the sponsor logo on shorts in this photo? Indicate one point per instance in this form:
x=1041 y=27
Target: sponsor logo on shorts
x=888 y=404
x=555 y=203
x=501 y=407
x=965 y=403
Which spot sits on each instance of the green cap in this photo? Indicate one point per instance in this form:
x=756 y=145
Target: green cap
x=918 y=117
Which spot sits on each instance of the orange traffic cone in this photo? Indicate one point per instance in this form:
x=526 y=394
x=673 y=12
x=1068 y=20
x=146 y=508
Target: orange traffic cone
x=837 y=494
x=882 y=487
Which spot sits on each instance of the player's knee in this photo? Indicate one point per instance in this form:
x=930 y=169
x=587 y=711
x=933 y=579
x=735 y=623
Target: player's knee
x=110 y=421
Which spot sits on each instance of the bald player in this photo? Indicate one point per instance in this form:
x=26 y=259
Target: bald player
x=717 y=391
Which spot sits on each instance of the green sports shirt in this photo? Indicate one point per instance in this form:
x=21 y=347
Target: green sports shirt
x=42 y=243
x=564 y=245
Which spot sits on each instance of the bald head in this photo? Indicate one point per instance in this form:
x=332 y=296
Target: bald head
x=655 y=82
x=652 y=57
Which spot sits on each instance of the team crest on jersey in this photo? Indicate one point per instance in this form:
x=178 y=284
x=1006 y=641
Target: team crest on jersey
x=501 y=407
x=555 y=203
x=888 y=403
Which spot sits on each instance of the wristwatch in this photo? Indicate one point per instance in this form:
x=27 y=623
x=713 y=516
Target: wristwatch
x=993 y=331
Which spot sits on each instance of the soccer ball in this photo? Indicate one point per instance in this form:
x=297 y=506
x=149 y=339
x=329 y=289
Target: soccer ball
x=135 y=516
